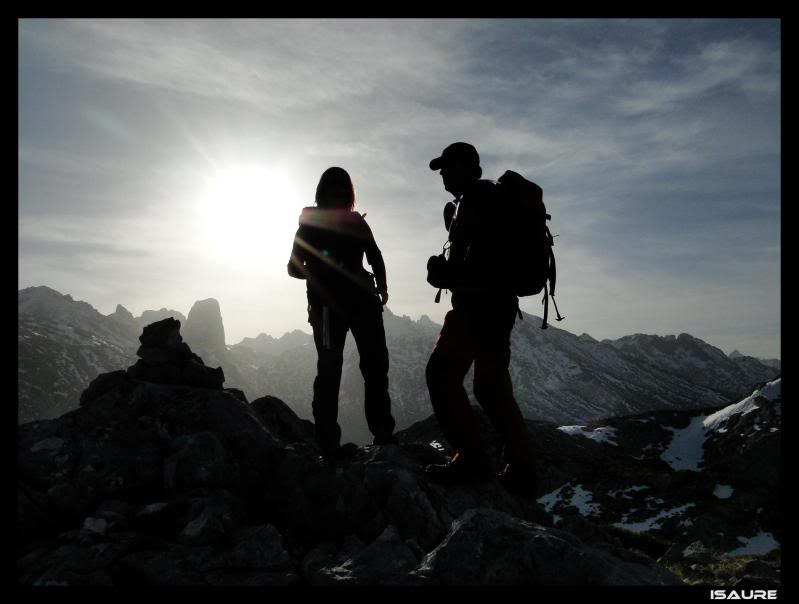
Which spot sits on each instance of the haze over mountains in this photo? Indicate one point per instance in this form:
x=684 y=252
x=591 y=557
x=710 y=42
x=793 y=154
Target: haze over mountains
x=558 y=376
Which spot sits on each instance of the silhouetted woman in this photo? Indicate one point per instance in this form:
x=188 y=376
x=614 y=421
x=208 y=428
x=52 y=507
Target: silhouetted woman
x=328 y=251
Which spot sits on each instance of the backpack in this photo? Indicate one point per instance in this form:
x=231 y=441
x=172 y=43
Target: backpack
x=531 y=259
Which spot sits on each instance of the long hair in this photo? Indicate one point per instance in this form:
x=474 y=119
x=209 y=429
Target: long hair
x=335 y=189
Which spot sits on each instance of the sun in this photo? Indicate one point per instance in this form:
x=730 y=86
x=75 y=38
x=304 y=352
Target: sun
x=249 y=216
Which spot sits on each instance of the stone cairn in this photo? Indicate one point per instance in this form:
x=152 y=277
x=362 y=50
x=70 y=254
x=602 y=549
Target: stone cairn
x=164 y=358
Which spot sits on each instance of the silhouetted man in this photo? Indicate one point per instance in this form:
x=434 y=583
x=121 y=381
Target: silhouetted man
x=477 y=329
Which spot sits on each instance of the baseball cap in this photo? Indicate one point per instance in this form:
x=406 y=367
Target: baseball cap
x=460 y=153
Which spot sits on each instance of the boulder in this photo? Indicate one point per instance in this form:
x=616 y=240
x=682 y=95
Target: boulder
x=254 y=548
x=388 y=560
x=164 y=334
x=102 y=384
x=200 y=460
x=205 y=529
x=489 y=547
x=281 y=421
x=697 y=552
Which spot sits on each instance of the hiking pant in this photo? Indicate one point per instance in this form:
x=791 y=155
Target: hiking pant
x=478 y=333
x=370 y=338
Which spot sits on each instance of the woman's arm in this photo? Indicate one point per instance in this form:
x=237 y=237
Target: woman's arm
x=296 y=263
x=375 y=259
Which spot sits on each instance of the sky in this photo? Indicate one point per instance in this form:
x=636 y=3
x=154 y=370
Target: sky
x=166 y=161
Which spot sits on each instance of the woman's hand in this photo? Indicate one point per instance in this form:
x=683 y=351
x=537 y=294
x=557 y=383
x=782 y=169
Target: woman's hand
x=383 y=297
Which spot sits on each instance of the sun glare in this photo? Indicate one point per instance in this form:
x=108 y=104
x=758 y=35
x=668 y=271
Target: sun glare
x=249 y=215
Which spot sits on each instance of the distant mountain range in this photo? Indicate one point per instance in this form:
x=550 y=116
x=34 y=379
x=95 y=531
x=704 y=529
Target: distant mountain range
x=558 y=376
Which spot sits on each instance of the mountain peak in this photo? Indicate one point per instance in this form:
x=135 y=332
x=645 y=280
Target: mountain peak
x=45 y=300
x=204 y=330
x=122 y=313
x=39 y=290
x=210 y=303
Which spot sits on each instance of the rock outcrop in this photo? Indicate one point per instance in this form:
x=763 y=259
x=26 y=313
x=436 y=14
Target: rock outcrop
x=166 y=359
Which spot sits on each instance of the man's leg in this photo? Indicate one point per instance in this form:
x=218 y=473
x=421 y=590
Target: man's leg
x=447 y=367
x=494 y=390
x=328 y=378
x=370 y=338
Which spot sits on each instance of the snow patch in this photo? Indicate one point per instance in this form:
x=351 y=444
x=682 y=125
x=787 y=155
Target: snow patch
x=759 y=545
x=714 y=420
x=580 y=498
x=550 y=499
x=624 y=492
x=602 y=434
x=651 y=523
x=723 y=491
x=772 y=390
x=685 y=451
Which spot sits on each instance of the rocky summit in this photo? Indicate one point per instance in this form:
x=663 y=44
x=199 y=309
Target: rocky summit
x=161 y=478
x=164 y=477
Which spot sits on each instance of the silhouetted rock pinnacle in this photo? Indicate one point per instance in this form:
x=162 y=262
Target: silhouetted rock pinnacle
x=123 y=315
x=166 y=359
x=205 y=332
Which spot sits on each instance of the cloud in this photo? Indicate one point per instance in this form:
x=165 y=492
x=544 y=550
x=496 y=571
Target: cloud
x=276 y=65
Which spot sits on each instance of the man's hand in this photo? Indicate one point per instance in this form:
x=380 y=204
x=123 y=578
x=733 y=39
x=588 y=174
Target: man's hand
x=383 y=297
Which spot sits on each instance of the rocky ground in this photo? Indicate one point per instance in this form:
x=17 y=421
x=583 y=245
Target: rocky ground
x=163 y=477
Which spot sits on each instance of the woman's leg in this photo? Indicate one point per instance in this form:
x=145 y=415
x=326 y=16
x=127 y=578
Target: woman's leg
x=328 y=376
x=370 y=338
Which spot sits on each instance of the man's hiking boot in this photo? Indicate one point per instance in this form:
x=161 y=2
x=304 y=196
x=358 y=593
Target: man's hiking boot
x=519 y=482
x=385 y=440
x=457 y=471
